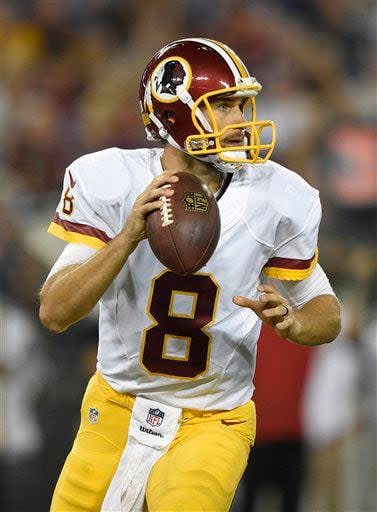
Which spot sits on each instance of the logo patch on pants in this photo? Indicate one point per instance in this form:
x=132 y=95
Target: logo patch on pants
x=155 y=417
x=93 y=415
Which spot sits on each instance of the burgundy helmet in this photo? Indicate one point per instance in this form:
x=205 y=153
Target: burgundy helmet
x=180 y=80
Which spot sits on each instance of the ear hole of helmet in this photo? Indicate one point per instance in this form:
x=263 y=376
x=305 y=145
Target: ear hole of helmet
x=169 y=118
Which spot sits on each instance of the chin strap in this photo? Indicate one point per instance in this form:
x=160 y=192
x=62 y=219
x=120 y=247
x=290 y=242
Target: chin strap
x=225 y=167
x=186 y=98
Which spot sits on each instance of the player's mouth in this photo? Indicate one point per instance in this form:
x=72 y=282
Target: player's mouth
x=235 y=141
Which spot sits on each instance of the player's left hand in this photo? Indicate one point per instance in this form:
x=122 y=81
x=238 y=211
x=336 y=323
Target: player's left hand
x=273 y=309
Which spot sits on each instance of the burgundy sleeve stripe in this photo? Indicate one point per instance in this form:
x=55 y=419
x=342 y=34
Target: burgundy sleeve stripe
x=289 y=263
x=83 y=229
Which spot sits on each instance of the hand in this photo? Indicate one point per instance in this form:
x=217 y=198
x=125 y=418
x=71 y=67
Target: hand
x=147 y=202
x=274 y=310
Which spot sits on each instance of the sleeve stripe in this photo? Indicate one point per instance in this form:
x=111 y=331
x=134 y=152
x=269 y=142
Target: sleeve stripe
x=291 y=272
x=290 y=263
x=84 y=229
x=75 y=238
x=78 y=233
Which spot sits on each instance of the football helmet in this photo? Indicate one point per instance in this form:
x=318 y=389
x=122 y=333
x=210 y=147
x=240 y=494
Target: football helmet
x=176 y=90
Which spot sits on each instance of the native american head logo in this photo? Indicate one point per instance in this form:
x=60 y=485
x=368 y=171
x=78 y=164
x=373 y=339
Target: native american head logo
x=168 y=76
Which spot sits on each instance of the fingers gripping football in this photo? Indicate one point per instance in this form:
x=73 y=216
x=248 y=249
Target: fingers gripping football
x=272 y=308
x=148 y=201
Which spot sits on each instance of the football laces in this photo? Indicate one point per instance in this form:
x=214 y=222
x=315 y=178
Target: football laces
x=166 y=210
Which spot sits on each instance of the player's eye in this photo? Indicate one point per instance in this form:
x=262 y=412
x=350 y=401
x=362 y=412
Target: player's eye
x=223 y=107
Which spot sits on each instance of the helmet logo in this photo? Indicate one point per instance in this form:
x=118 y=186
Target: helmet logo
x=170 y=74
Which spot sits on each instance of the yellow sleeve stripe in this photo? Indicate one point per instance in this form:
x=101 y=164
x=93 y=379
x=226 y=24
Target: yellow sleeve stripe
x=291 y=274
x=77 y=238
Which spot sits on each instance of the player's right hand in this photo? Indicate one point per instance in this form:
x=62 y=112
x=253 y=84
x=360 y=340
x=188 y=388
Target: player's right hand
x=147 y=202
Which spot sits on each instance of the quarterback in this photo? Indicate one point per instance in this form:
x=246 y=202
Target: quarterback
x=168 y=420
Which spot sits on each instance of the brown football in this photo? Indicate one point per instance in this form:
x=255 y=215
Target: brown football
x=184 y=233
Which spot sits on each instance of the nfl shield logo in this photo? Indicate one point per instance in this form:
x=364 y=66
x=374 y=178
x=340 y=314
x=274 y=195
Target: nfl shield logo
x=155 y=417
x=93 y=415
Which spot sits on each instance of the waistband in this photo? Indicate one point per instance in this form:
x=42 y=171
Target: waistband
x=128 y=400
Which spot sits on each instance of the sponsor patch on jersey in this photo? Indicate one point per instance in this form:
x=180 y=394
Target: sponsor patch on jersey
x=93 y=415
x=196 y=202
x=155 y=417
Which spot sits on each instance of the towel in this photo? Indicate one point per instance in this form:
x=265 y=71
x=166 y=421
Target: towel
x=153 y=427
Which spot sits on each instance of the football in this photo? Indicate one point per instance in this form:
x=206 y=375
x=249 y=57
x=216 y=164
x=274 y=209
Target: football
x=184 y=232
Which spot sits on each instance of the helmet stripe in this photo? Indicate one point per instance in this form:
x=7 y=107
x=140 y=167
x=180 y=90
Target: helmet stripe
x=222 y=51
x=238 y=62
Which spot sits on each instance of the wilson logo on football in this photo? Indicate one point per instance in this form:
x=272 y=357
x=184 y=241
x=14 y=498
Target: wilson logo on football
x=155 y=417
x=196 y=202
x=170 y=74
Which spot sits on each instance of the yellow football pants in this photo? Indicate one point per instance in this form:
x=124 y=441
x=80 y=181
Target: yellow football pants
x=199 y=472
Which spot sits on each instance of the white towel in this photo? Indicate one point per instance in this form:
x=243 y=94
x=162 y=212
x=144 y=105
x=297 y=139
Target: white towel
x=153 y=427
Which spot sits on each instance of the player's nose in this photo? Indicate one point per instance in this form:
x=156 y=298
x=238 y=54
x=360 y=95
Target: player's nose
x=237 y=116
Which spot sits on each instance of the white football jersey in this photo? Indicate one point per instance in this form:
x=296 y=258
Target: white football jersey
x=180 y=339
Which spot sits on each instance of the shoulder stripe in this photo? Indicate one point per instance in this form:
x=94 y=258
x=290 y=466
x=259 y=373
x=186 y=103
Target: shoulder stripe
x=78 y=233
x=75 y=238
x=289 y=268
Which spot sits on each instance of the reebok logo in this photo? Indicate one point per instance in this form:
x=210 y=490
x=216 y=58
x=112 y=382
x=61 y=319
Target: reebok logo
x=150 y=431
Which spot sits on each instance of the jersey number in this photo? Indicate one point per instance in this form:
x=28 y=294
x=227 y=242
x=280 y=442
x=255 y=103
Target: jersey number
x=177 y=344
x=68 y=202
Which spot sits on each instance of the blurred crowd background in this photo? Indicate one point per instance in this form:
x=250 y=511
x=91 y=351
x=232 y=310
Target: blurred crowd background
x=70 y=72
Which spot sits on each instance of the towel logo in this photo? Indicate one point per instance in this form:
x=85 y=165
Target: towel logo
x=93 y=415
x=155 y=417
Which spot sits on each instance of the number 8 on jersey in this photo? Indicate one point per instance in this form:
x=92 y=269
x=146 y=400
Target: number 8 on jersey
x=181 y=307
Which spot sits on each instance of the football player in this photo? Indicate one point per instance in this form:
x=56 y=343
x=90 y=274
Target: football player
x=167 y=421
